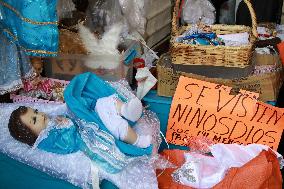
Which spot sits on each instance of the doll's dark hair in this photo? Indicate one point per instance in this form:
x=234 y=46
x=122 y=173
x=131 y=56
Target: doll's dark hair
x=18 y=129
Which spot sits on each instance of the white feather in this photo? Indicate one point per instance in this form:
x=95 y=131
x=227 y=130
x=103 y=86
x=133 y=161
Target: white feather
x=103 y=52
x=90 y=41
x=111 y=38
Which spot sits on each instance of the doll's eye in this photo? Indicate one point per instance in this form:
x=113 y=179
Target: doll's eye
x=36 y=111
x=34 y=119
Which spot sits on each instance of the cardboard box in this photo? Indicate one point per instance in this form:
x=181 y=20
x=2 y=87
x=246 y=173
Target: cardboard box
x=66 y=66
x=265 y=59
x=267 y=85
x=159 y=21
x=158 y=35
x=154 y=7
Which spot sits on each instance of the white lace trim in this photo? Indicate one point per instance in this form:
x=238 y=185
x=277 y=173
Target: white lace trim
x=13 y=86
x=17 y=84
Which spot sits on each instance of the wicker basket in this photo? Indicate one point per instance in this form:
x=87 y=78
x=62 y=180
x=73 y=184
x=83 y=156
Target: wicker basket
x=229 y=56
x=167 y=77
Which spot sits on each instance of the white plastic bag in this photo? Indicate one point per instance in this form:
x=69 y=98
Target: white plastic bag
x=202 y=171
x=198 y=10
x=145 y=81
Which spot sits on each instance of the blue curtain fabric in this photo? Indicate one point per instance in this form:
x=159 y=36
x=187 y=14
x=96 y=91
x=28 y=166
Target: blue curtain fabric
x=31 y=24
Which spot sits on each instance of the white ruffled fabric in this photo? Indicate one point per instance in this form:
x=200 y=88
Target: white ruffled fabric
x=235 y=39
x=138 y=175
x=200 y=171
x=145 y=81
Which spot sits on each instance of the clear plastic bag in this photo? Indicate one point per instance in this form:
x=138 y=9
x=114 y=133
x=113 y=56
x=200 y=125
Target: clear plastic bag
x=65 y=8
x=198 y=10
x=101 y=14
x=134 y=13
x=70 y=14
x=227 y=12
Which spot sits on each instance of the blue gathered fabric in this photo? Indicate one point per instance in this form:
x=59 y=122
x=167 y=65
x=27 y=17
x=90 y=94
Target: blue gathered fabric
x=87 y=138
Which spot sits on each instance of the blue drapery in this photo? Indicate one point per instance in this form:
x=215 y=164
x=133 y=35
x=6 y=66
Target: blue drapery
x=81 y=96
x=31 y=24
x=14 y=66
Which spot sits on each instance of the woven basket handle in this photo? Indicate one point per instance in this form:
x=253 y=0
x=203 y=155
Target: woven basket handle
x=175 y=27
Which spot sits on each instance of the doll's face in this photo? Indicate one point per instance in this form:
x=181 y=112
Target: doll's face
x=34 y=120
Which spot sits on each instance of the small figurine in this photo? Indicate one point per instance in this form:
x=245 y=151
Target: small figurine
x=37 y=65
x=41 y=87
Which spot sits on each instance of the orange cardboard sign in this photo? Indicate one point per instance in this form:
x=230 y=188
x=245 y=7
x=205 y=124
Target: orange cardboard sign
x=201 y=108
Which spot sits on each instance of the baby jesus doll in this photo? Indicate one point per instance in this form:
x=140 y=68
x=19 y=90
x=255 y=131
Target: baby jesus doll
x=65 y=135
x=62 y=135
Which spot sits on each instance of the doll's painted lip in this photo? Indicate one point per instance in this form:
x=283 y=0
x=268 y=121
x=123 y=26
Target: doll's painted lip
x=45 y=118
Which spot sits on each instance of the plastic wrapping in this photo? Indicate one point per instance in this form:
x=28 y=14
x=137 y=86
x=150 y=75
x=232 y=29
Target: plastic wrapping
x=198 y=10
x=280 y=31
x=122 y=87
x=134 y=12
x=199 y=144
x=102 y=14
x=227 y=12
x=65 y=8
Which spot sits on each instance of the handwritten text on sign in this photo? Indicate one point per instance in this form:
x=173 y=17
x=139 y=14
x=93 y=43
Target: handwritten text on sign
x=205 y=109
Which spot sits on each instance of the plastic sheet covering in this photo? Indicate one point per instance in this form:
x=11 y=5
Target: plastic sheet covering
x=150 y=124
x=122 y=87
x=139 y=174
x=227 y=12
x=198 y=10
x=134 y=12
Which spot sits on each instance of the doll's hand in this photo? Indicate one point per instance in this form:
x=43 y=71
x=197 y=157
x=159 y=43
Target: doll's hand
x=60 y=120
x=36 y=81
